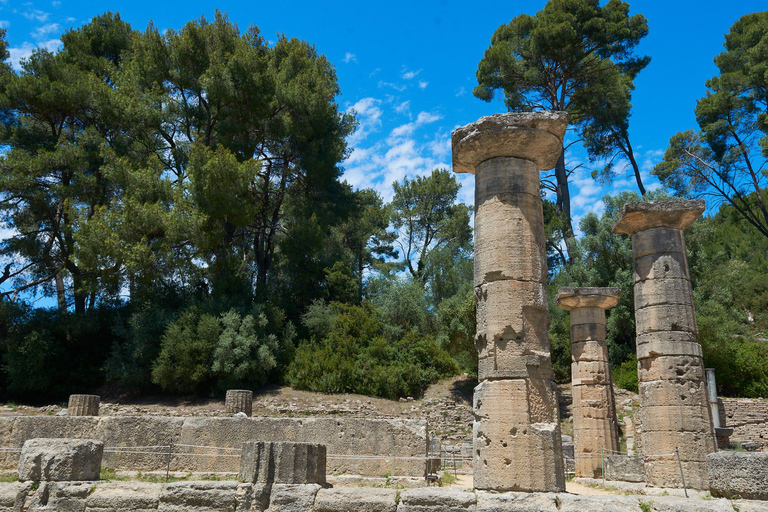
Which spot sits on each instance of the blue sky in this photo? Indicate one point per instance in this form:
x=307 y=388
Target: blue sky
x=408 y=69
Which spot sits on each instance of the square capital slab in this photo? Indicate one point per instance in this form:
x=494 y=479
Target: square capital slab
x=640 y=216
x=587 y=297
x=532 y=136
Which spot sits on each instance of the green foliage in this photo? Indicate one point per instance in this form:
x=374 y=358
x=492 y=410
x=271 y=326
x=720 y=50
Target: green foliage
x=625 y=375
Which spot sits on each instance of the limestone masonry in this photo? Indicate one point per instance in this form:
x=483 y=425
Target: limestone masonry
x=674 y=407
x=595 y=426
x=517 y=442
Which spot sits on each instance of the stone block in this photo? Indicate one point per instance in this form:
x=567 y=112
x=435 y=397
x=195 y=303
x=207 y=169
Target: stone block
x=533 y=136
x=587 y=503
x=590 y=374
x=675 y=393
x=589 y=351
x=83 y=405
x=517 y=436
x=60 y=460
x=668 y=317
x=750 y=506
x=511 y=178
x=624 y=468
x=648 y=348
x=198 y=496
x=127 y=431
x=293 y=497
x=671 y=368
x=738 y=475
x=660 y=292
x=239 y=400
x=681 y=504
x=436 y=499
x=124 y=496
x=13 y=495
x=516 y=502
x=509 y=240
x=661 y=265
x=677 y=418
x=283 y=463
x=356 y=499
x=60 y=497
x=588 y=332
x=665 y=472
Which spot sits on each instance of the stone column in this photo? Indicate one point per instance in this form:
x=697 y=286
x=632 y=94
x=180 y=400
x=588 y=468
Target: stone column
x=517 y=443
x=595 y=427
x=83 y=405
x=239 y=400
x=673 y=394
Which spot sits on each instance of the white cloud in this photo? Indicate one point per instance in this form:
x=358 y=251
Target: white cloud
x=45 y=31
x=17 y=54
x=396 y=87
x=349 y=57
x=36 y=15
x=403 y=108
x=408 y=128
x=461 y=91
x=56 y=3
x=368 y=114
x=423 y=84
x=4 y=23
x=410 y=75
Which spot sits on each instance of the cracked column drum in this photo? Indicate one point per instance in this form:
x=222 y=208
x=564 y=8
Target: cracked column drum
x=673 y=395
x=516 y=430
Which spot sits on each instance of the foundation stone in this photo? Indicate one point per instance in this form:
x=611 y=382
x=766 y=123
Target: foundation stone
x=595 y=426
x=60 y=460
x=673 y=395
x=517 y=444
x=738 y=475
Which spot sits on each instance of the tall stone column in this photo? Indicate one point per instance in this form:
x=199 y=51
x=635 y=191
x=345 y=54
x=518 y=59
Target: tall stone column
x=595 y=427
x=517 y=442
x=673 y=393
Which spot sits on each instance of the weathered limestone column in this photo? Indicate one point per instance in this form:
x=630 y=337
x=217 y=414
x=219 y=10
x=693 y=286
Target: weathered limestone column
x=595 y=426
x=517 y=442
x=673 y=393
x=239 y=400
x=83 y=405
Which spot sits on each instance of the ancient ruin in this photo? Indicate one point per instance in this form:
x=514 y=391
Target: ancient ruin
x=673 y=394
x=517 y=442
x=595 y=428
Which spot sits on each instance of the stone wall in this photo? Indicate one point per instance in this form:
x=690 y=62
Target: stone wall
x=355 y=446
x=748 y=417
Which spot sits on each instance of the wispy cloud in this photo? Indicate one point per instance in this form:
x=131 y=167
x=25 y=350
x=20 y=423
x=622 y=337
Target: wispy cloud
x=403 y=108
x=45 y=31
x=409 y=74
x=423 y=85
x=369 y=114
x=19 y=53
x=382 y=84
x=56 y=3
x=5 y=23
x=461 y=91
x=350 y=57
x=36 y=15
x=408 y=128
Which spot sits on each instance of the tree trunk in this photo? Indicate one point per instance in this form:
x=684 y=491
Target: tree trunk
x=635 y=168
x=60 y=293
x=563 y=206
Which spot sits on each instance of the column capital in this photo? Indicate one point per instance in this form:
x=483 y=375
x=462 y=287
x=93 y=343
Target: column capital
x=587 y=297
x=533 y=136
x=640 y=216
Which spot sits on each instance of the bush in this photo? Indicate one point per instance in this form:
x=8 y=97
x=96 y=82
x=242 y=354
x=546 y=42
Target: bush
x=625 y=375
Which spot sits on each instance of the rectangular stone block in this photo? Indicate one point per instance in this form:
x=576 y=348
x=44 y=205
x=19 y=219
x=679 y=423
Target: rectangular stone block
x=518 y=445
x=693 y=446
x=60 y=497
x=345 y=499
x=666 y=368
x=13 y=495
x=282 y=463
x=293 y=497
x=60 y=460
x=624 y=468
x=677 y=393
x=661 y=265
x=666 y=473
x=503 y=365
x=738 y=475
x=430 y=499
x=588 y=332
x=673 y=418
x=598 y=395
x=509 y=240
x=587 y=315
x=594 y=372
x=660 y=239
x=198 y=496
x=589 y=351
x=670 y=317
x=656 y=292
x=124 y=496
x=654 y=347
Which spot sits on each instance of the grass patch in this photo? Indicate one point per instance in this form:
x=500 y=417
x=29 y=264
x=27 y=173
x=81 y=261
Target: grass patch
x=9 y=478
x=448 y=479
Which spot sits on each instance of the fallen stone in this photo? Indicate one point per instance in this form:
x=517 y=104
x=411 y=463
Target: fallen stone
x=60 y=497
x=13 y=495
x=738 y=475
x=60 y=460
x=624 y=468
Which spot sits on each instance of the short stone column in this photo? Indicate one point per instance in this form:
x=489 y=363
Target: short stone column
x=517 y=442
x=83 y=405
x=239 y=400
x=282 y=463
x=595 y=426
x=673 y=394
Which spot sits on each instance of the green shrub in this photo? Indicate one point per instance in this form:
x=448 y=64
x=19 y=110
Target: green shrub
x=625 y=375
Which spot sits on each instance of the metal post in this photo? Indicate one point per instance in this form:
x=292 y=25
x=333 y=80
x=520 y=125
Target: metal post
x=602 y=464
x=680 y=464
x=168 y=468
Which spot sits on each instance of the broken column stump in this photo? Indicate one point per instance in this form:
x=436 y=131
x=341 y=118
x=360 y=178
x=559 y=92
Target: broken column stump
x=517 y=441
x=239 y=400
x=595 y=426
x=674 y=407
x=83 y=405
x=282 y=463
x=60 y=460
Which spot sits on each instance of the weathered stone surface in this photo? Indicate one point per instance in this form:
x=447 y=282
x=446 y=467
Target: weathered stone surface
x=12 y=496
x=624 y=468
x=239 y=400
x=671 y=368
x=738 y=475
x=583 y=503
x=430 y=499
x=283 y=463
x=60 y=460
x=536 y=136
x=640 y=216
x=750 y=506
x=127 y=431
x=669 y=265
x=668 y=317
x=570 y=298
x=680 y=504
x=659 y=292
x=516 y=502
x=124 y=496
x=651 y=349
x=198 y=496
x=589 y=351
x=356 y=499
x=676 y=419
x=665 y=472
x=293 y=497
x=518 y=444
x=60 y=497
x=677 y=393
x=83 y=405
